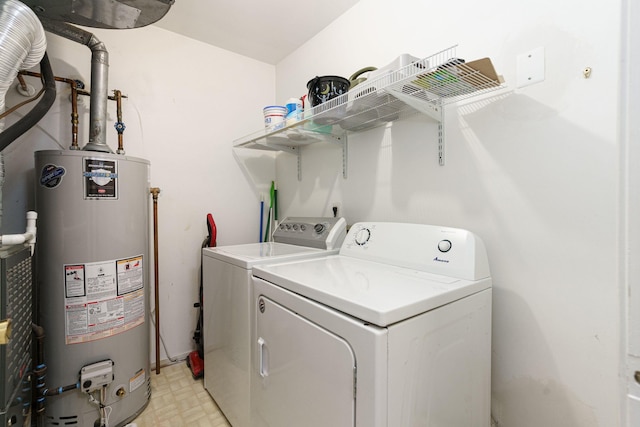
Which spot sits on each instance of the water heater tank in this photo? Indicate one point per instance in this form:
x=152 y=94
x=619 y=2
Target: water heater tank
x=93 y=284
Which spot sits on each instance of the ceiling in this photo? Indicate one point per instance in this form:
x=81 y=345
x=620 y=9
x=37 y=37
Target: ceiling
x=264 y=30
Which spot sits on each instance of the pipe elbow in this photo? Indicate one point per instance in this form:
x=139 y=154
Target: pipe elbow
x=97 y=47
x=38 y=330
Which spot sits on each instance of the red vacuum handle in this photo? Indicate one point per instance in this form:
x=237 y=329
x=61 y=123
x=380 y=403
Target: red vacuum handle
x=213 y=232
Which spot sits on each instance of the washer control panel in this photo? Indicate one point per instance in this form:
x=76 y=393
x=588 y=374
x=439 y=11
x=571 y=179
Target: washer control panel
x=314 y=232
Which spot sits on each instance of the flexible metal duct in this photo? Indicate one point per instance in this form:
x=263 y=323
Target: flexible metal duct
x=23 y=46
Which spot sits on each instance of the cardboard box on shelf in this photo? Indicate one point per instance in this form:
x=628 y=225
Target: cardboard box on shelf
x=456 y=78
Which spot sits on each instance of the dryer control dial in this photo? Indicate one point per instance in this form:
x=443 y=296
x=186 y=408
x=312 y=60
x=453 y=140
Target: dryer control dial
x=362 y=236
x=444 y=245
x=319 y=228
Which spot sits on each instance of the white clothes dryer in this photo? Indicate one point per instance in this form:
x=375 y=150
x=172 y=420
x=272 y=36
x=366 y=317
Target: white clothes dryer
x=393 y=331
x=226 y=274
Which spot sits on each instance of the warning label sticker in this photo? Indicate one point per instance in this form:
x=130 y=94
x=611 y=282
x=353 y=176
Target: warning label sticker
x=103 y=298
x=137 y=380
x=129 y=275
x=74 y=280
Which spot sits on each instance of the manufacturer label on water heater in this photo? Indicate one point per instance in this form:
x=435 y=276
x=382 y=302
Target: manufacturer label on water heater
x=103 y=298
x=100 y=178
x=51 y=175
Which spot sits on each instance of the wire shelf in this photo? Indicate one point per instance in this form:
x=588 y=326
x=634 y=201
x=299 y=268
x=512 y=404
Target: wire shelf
x=425 y=86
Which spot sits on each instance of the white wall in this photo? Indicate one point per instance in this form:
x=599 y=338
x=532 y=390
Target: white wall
x=187 y=102
x=630 y=230
x=533 y=171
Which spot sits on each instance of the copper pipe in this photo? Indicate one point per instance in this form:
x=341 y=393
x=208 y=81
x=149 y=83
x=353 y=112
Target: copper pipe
x=120 y=127
x=23 y=84
x=73 y=84
x=155 y=191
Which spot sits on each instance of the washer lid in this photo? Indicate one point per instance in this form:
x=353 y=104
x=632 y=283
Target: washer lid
x=376 y=293
x=251 y=254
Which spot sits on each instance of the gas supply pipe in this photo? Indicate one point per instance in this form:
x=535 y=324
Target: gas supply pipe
x=154 y=192
x=119 y=125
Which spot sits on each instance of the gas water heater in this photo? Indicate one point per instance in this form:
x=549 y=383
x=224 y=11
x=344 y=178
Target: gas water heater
x=92 y=285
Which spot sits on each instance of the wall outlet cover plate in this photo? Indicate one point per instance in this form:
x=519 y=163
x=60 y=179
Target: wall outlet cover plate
x=530 y=67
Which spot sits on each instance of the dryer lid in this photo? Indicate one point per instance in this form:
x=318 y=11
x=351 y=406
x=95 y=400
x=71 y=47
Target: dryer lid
x=377 y=293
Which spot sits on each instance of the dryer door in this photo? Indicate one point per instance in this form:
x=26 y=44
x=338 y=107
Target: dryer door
x=304 y=375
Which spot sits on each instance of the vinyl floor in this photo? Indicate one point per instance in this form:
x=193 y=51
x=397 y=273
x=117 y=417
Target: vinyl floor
x=178 y=400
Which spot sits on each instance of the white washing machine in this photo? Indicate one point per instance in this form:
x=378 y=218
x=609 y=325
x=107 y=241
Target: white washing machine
x=227 y=300
x=393 y=331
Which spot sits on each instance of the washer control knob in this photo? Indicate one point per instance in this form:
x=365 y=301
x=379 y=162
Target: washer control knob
x=362 y=236
x=319 y=228
x=288 y=226
x=444 y=245
x=303 y=227
x=295 y=227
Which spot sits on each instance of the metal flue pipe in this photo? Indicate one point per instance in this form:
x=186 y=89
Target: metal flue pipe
x=99 y=80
